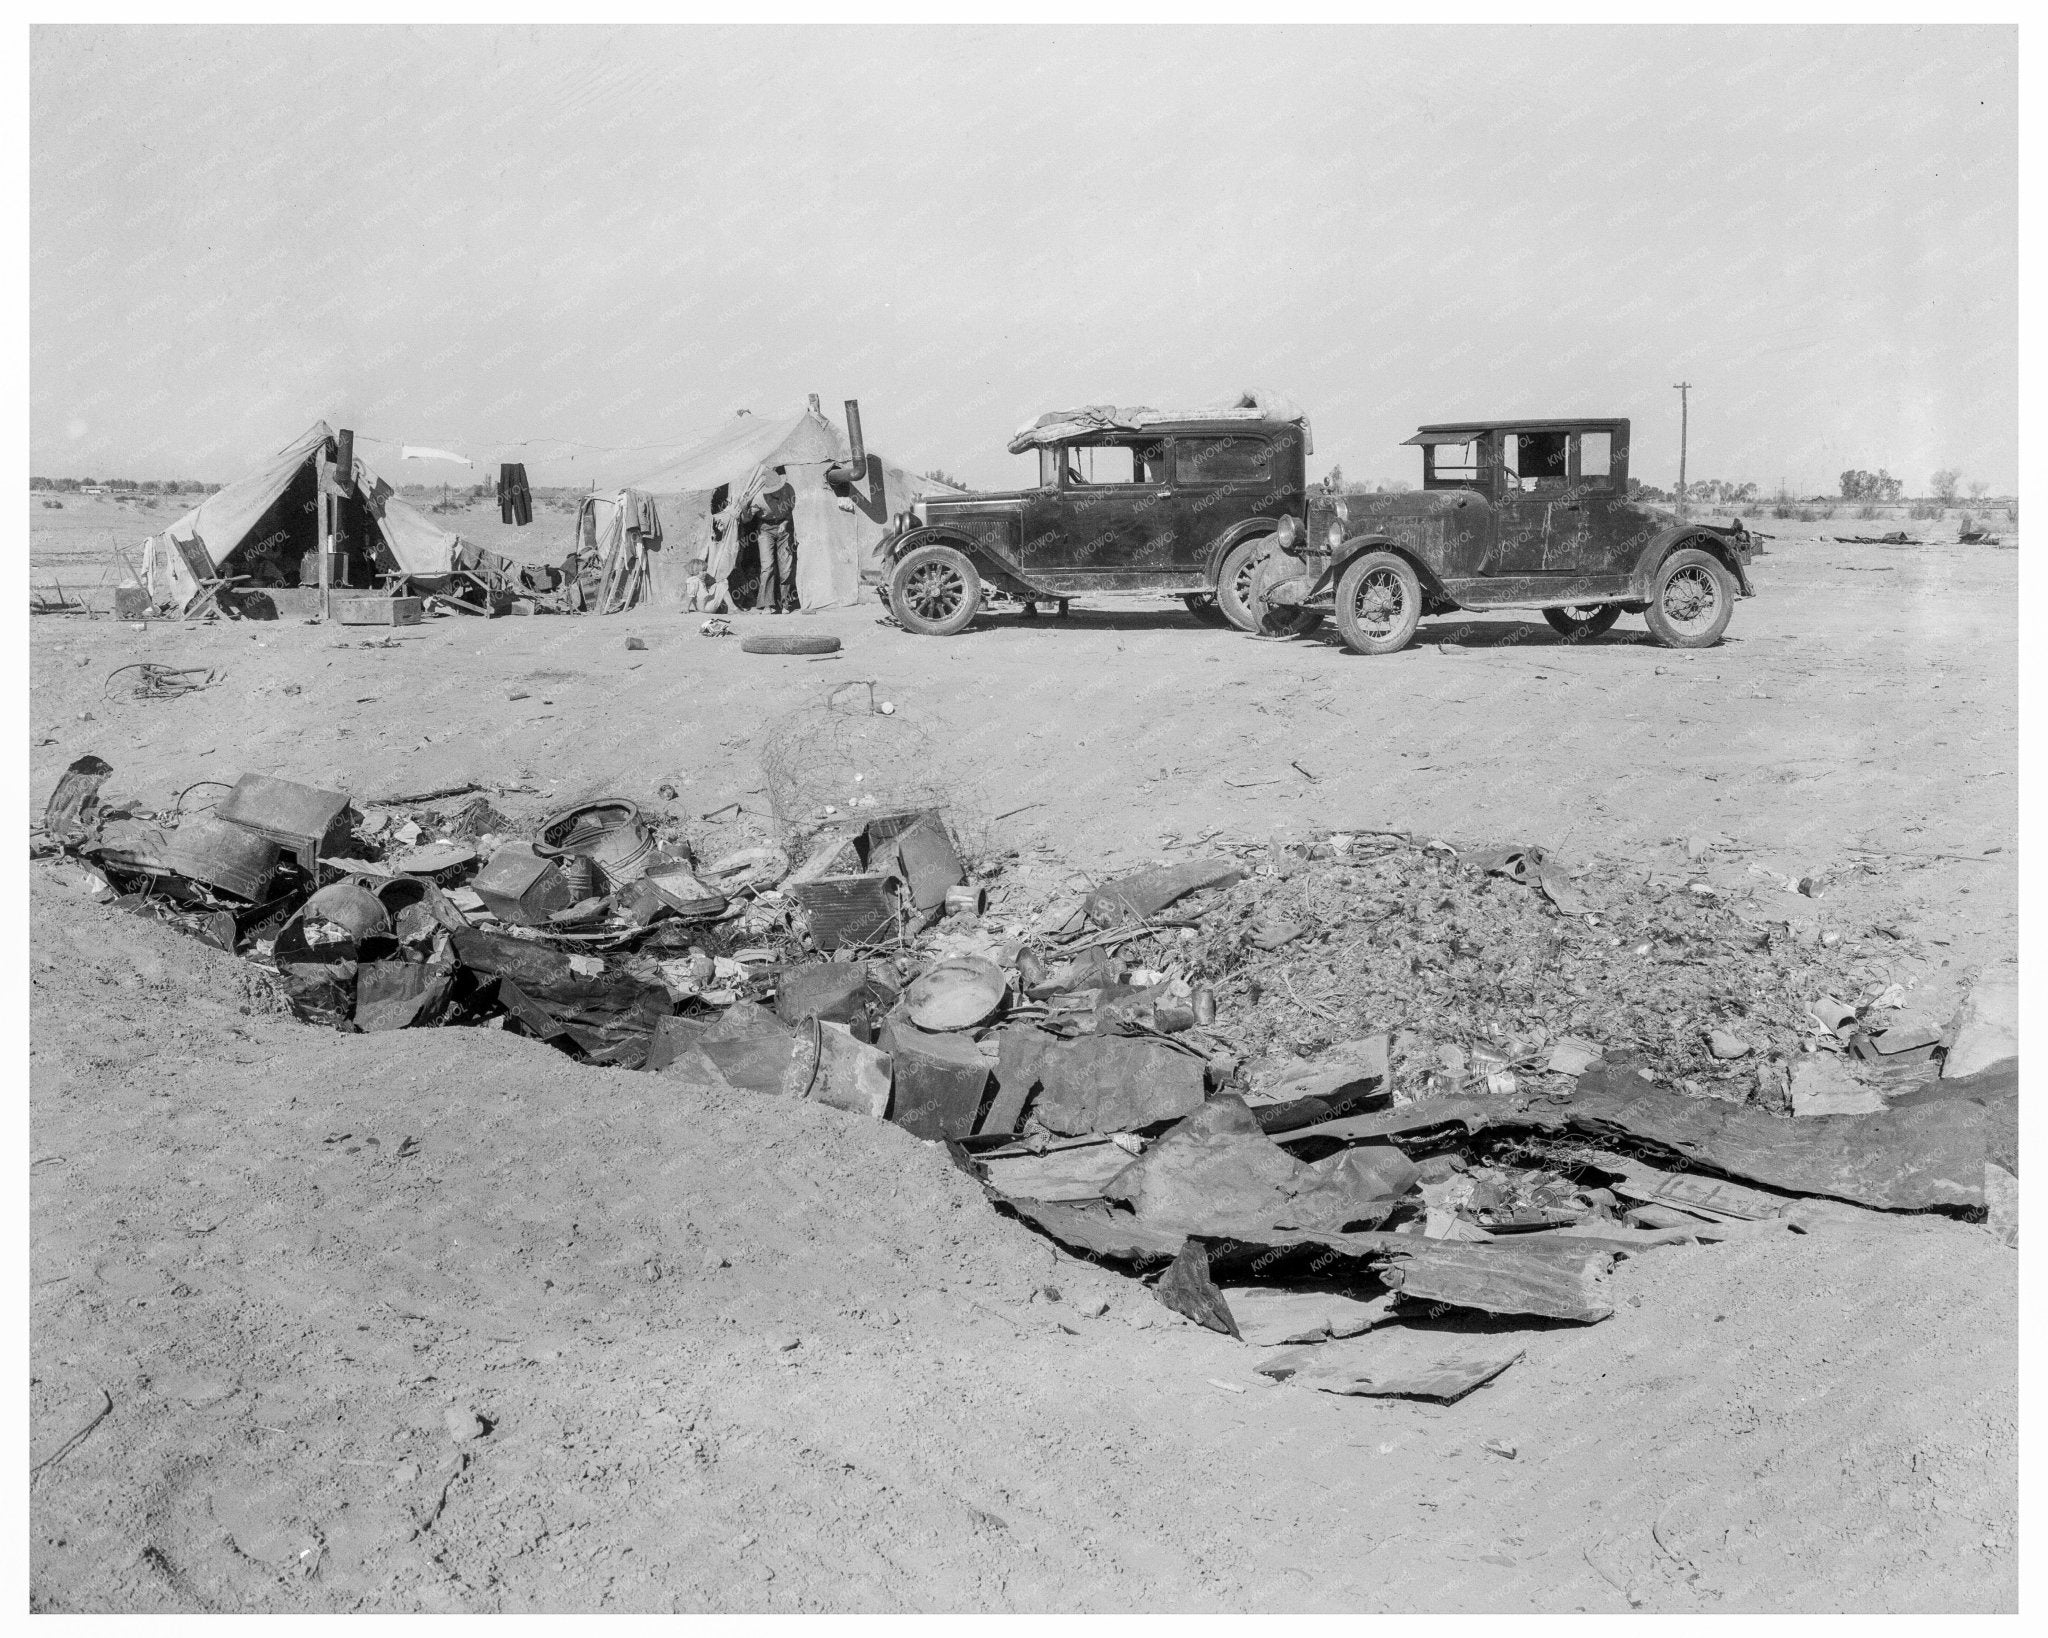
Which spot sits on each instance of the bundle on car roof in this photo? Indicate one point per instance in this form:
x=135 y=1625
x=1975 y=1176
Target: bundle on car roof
x=1055 y=426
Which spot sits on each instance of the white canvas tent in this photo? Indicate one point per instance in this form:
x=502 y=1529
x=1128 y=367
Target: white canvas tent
x=837 y=529
x=273 y=514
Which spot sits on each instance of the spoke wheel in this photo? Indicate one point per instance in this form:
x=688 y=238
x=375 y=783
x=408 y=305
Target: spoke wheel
x=1379 y=603
x=1235 y=580
x=935 y=590
x=1581 y=622
x=1691 y=600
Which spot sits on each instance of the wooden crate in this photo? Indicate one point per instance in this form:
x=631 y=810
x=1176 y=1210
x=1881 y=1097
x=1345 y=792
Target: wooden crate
x=379 y=611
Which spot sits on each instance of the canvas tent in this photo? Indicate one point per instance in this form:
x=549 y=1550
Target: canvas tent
x=265 y=525
x=837 y=527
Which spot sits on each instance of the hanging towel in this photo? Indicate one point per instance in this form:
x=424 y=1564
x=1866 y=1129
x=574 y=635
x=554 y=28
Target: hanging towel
x=420 y=452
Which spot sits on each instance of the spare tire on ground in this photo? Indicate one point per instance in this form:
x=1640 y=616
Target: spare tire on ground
x=770 y=642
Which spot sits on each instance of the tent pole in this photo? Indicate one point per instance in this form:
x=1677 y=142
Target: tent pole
x=326 y=553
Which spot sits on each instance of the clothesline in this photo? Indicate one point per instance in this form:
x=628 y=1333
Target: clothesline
x=528 y=443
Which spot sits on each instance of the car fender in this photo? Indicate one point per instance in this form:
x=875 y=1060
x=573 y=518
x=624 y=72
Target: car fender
x=1232 y=538
x=1676 y=538
x=993 y=569
x=1351 y=550
x=894 y=551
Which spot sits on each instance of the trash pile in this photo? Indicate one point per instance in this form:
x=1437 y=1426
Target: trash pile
x=1370 y=1101
x=1500 y=969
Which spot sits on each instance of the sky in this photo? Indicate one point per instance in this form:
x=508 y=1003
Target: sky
x=583 y=249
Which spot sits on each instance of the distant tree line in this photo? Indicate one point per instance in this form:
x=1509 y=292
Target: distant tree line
x=1877 y=486
x=148 y=486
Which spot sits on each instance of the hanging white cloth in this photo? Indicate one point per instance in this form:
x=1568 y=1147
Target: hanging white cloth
x=420 y=452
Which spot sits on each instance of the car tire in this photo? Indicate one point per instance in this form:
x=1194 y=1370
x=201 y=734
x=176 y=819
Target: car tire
x=935 y=590
x=1692 y=597
x=1379 y=603
x=1582 y=622
x=773 y=642
x=1234 y=580
x=1204 y=607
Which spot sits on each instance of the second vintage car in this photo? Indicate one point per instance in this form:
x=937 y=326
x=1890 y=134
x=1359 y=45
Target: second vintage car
x=1127 y=500
x=1511 y=514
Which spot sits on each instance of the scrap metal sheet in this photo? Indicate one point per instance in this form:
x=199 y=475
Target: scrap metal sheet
x=1904 y=1159
x=1553 y=1280
x=1393 y=1364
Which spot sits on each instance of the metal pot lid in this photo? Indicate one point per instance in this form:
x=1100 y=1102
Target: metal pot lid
x=956 y=994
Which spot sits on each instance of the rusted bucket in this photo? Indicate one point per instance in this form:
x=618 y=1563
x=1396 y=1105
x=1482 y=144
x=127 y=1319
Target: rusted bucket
x=623 y=854
x=352 y=905
x=609 y=832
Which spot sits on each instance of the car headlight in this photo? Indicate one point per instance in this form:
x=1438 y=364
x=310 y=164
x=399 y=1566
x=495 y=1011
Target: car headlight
x=1336 y=536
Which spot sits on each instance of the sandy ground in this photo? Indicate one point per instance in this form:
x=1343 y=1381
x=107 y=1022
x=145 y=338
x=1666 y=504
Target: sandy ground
x=749 y=1355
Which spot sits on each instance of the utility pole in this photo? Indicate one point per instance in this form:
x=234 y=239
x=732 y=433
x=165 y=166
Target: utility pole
x=1683 y=389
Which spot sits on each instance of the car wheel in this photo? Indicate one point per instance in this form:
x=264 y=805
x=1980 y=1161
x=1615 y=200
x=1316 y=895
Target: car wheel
x=1578 y=623
x=1205 y=608
x=1234 y=581
x=1379 y=603
x=935 y=590
x=1691 y=600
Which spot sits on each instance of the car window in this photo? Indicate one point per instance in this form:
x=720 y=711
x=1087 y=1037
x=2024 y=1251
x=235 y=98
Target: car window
x=1221 y=460
x=1536 y=459
x=1596 y=459
x=1096 y=465
x=1510 y=461
x=1452 y=463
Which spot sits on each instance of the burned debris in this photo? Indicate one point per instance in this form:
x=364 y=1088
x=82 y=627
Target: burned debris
x=1433 y=1116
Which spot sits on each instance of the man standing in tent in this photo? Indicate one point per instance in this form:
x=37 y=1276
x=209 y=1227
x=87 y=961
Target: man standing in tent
x=773 y=509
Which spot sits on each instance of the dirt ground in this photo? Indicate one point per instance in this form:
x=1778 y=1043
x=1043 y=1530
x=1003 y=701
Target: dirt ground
x=753 y=1355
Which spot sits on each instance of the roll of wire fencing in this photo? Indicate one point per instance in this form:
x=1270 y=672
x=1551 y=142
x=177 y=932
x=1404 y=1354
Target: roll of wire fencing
x=856 y=756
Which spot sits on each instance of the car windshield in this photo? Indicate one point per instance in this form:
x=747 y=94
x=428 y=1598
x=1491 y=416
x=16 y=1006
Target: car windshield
x=1448 y=464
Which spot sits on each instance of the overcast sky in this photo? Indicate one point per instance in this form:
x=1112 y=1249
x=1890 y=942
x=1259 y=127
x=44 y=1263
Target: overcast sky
x=519 y=243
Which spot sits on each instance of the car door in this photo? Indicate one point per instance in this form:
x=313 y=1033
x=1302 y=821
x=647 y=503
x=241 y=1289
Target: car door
x=1220 y=480
x=1592 y=542
x=1520 y=514
x=1042 y=530
x=1118 y=514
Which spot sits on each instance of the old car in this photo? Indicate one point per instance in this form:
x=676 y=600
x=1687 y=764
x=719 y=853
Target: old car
x=1511 y=514
x=1127 y=500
